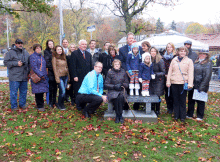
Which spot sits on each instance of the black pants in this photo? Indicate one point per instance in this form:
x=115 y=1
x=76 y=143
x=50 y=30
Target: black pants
x=71 y=91
x=169 y=99
x=39 y=98
x=155 y=106
x=52 y=91
x=191 y=106
x=179 y=101
x=118 y=104
x=93 y=100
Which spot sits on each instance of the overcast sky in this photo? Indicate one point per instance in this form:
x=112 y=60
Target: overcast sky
x=201 y=11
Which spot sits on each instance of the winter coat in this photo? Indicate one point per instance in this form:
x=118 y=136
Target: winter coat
x=95 y=57
x=17 y=73
x=218 y=61
x=145 y=71
x=123 y=53
x=157 y=84
x=115 y=77
x=192 y=55
x=60 y=68
x=89 y=84
x=49 y=66
x=174 y=75
x=202 y=75
x=107 y=62
x=35 y=64
x=133 y=62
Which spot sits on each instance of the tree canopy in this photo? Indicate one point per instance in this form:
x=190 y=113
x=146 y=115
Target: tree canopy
x=26 y=6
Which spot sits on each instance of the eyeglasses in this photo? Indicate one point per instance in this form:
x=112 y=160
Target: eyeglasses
x=99 y=67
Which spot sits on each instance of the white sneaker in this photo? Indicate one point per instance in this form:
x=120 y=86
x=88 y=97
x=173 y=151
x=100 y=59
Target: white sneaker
x=188 y=117
x=199 y=119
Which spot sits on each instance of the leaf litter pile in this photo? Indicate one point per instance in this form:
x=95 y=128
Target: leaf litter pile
x=53 y=135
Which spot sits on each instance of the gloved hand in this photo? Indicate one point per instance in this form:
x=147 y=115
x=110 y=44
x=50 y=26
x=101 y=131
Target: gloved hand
x=140 y=80
x=118 y=87
x=130 y=72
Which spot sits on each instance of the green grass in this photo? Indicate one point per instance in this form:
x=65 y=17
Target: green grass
x=66 y=136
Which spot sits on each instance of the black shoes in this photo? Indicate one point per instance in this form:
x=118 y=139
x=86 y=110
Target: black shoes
x=182 y=120
x=86 y=114
x=60 y=106
x=119 y=119
x=157 y=113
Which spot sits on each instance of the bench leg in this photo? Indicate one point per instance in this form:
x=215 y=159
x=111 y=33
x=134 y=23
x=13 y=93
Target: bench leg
x=148 y=108
x=110 y=107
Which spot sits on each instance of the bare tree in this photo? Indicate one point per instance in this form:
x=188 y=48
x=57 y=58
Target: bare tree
x=128 y=9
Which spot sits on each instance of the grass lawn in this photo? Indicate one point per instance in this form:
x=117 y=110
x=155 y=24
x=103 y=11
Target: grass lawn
x=53 y=135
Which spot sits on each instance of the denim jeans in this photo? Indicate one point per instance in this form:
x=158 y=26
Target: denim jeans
x=62 y=89
x=219 y=73
x=14 y=86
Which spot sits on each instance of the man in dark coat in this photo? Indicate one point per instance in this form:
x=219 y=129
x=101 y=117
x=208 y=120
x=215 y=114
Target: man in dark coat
x=17 y=62
x=80 y=65
x=94 y=52
x=193 y=56
x=123 y=53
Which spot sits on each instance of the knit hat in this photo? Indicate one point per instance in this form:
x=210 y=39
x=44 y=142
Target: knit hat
x=135 y=45
x=145 y=55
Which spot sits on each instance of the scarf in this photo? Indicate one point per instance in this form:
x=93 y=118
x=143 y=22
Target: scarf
x=168 y=57
x=180 y=58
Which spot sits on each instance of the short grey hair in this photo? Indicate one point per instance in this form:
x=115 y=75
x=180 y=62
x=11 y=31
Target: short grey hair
x=130 y=33
x=82 y=40
x=97 y=62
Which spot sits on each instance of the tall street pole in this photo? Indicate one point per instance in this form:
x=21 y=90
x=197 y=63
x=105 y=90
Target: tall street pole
x=61 y=21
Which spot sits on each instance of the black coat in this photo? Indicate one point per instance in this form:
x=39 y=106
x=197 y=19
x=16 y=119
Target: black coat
x=79 y=66
x=107 y=63
x=202 y=75
x=115 y=77
x=48 y=59
x=157 y=84
x=192 y=55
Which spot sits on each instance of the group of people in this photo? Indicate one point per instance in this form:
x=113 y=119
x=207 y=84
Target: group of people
x=84 y=74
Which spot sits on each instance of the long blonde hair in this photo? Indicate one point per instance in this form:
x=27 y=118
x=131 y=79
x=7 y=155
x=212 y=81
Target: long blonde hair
x=174 y=49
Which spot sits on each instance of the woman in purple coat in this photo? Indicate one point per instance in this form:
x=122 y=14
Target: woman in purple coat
x=38 y=65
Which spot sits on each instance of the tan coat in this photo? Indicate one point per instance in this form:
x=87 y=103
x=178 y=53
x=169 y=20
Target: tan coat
x=60 y=68
x=174 y=75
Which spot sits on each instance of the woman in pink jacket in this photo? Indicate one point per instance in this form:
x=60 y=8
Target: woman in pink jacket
x=180 y=71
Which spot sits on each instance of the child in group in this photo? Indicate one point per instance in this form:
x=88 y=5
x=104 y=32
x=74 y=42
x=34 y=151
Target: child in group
x=133 y=62
x=146 y=74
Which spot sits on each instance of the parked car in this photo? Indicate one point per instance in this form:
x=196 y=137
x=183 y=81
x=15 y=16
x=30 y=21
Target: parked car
x=1 y=61
x=3 y=51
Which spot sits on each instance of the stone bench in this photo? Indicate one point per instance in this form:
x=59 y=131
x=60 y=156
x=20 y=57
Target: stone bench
x=147 y=115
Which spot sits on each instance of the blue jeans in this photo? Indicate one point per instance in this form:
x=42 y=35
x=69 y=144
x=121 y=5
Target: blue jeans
x=62 y=89
x=14 y=86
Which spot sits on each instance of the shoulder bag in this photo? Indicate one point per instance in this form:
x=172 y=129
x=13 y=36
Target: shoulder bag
x=34 y=77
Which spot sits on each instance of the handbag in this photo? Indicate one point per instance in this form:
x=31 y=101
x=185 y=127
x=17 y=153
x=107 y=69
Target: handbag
x=34 y=77
x=185 y=86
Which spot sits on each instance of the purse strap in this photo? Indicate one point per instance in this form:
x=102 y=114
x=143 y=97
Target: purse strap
x=180 y=71
x=41 y=63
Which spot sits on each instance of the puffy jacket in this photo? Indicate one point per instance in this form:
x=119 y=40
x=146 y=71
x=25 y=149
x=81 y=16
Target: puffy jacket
x=174 y=75
x=145 y=71
x=115 y=77
x=202 y=75
x=35 y=63
x=17 y=73
x=133 y=62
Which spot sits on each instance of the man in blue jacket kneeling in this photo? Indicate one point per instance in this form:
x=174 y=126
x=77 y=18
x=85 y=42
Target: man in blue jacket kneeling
x=91 y=91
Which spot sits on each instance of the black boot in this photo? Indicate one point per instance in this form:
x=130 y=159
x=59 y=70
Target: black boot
x=153 y=107
x=117 y=119
x=157 y=109
x=121 y=120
